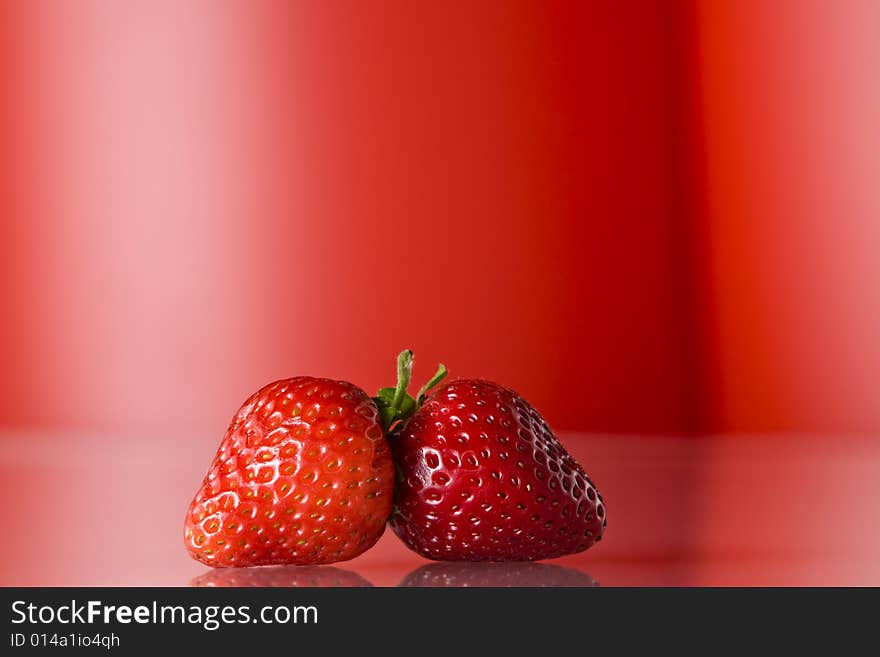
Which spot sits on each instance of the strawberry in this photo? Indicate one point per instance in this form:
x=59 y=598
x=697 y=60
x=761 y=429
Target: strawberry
x=482 y=477
x=281 y=576
x=303 y=476
x=520 y=573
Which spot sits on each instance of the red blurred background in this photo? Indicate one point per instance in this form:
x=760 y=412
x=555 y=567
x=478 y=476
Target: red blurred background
x=652 y=218
x=206 y=196
x=621 y=210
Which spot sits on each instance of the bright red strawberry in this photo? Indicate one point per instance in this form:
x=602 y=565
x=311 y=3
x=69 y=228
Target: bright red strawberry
x=281 y=576
x=303 y=476
x=483 y=478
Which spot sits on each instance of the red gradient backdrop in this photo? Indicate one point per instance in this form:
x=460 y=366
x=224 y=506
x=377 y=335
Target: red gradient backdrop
x=650 y=218
x=789 y=213
x=208 y=196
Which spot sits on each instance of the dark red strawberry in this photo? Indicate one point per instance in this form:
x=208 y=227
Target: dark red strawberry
x=483 y=478
x=281 y=576
x=489 y=574
x=303 y=476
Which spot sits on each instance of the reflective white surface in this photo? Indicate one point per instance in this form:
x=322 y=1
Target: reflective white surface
x=733 y=510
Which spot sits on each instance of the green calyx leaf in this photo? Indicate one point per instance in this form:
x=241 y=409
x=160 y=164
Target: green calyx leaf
x=396 y=404
x=439 y=375
x=390 y=413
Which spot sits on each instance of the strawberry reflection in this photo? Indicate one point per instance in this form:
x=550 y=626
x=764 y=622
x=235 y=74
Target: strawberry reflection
x=281 y=576
x=490 y=574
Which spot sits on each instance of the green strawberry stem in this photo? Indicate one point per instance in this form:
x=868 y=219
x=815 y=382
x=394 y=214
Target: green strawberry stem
x=396 y=404
x=404 y=376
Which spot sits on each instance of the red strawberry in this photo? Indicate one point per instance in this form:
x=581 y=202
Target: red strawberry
x=281 y=576
x=483 y=478
x=520 y=573
x=303 y=476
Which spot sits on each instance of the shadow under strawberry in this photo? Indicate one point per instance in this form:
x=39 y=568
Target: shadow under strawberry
x=500 y=575
x=281 y=576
